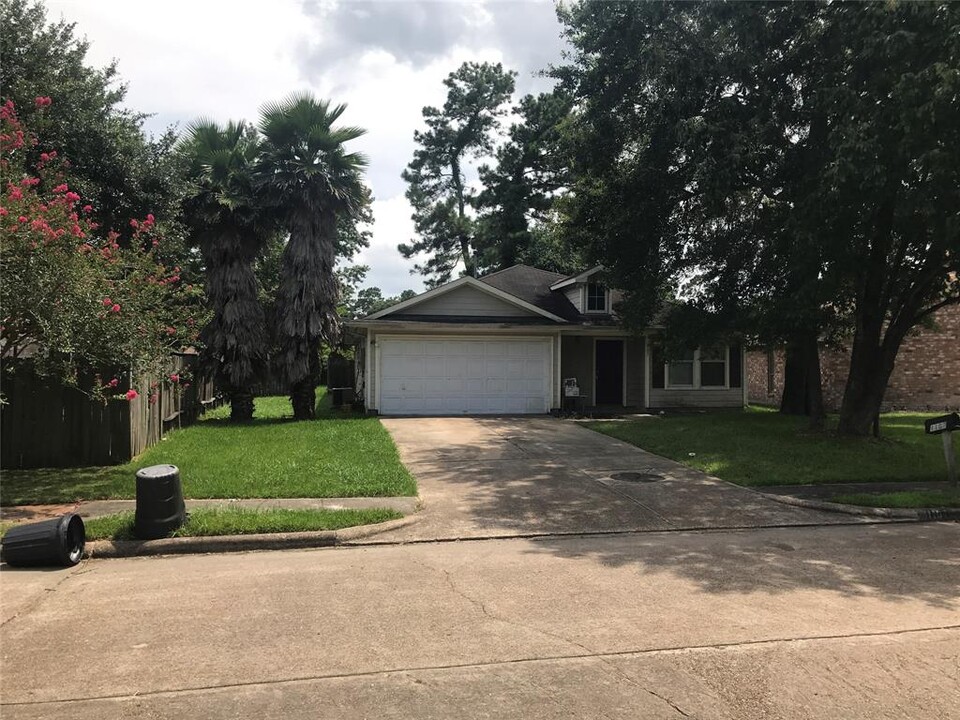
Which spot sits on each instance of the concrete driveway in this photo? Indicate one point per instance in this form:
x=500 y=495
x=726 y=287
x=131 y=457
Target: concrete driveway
x=503 y=477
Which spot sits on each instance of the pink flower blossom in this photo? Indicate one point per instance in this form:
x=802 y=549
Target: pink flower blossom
x=150 y=218
x=62 y=188
x=107 y=302
x=42 y=101
x=72 y=196
x=134 y=223
x=171 y=331
x=88 y=208
x=132 y=394
x=174 y=377
x=115 y=308
x=15 y=193
x=22 y=219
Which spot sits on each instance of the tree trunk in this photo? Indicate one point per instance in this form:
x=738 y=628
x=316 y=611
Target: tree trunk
x=241 y=406
x=802 y=386
x=870 y=369
x=303 y=397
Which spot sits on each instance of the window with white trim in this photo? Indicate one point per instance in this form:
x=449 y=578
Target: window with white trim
x=713 y=366
x=596 y=297
x=696 y=369
x=680 y=370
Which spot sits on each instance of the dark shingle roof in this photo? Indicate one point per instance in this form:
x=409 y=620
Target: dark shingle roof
x=533 y=286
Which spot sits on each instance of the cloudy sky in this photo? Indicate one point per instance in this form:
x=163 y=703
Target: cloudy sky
x=385 y=59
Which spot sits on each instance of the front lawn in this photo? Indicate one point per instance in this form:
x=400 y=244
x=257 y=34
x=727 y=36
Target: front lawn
x=336 y=455
x=243 y=521
x=758 y=446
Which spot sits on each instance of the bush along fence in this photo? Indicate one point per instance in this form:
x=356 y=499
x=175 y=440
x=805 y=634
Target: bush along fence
x=45 y=425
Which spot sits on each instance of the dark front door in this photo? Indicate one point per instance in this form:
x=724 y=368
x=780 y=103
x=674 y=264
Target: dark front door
x=609 y=372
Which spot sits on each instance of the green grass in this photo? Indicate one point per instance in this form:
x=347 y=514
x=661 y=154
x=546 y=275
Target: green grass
x=242 y=521
x=336 y=455
x=905 y=499
x=758 y=446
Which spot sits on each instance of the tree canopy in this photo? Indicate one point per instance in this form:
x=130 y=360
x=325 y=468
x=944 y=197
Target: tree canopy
x=442 y=198
x=119 y=171
x=789 y=169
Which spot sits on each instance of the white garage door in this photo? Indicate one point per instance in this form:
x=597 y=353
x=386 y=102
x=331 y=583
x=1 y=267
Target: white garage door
x=464 y=376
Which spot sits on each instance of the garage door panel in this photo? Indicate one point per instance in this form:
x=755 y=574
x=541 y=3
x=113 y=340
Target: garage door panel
x=464 y=376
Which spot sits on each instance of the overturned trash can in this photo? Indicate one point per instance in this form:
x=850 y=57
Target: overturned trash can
x=160 y=507
x=52 y=542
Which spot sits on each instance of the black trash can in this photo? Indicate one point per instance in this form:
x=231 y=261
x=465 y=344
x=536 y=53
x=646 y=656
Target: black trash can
x=52 y=542
x=160 y=507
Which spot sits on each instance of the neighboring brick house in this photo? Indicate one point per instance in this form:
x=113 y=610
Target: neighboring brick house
x=926 y=375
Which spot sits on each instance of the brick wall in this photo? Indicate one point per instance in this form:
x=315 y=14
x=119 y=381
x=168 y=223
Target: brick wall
x=926 y=375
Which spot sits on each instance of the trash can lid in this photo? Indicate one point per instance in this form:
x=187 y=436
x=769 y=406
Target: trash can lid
x=157 y=471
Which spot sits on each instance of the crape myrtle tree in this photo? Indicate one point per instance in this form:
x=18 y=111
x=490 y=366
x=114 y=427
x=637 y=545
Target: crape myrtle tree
x=313 y=182
x=226 y=222
x=113 y=165
x=438 y=189
x=74 y=303
x=792 y=168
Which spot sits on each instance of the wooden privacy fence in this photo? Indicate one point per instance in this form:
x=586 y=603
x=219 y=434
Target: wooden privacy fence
x=45 y=425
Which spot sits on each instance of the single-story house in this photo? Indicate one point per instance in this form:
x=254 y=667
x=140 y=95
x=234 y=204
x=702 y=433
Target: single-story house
x=506 y=342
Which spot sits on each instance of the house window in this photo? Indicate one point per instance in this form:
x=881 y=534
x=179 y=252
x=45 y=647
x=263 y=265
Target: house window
x=713 y=367
x=596 y=297
x=680 y=370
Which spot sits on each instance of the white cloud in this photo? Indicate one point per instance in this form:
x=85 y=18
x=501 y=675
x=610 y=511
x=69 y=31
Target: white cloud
x=389 y=270
x=185 y=58
x=190 y=58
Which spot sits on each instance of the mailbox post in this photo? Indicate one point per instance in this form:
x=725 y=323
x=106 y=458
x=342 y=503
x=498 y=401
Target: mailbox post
x=944 y=426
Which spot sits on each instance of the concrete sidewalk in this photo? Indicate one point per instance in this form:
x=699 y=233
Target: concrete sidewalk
x=99 y=508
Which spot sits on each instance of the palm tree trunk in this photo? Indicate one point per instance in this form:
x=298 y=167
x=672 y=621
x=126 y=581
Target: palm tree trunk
x=303 y=397
x=241 y=406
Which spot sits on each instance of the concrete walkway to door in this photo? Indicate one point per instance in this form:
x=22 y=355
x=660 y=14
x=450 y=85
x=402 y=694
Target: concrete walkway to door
x=504 y=477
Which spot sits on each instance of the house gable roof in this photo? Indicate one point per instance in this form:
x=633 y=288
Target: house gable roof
x=510 y=300
x=572 y=279
x=533 y=285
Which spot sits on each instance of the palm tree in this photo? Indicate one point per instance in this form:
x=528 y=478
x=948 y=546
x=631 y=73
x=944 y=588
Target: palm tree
x=225 y=221
x=312 y=181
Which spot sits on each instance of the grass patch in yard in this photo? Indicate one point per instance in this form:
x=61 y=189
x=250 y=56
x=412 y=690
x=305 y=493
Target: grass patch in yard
x=243 y=521
x=759 y=446
x=337 y=455
x=905 y=499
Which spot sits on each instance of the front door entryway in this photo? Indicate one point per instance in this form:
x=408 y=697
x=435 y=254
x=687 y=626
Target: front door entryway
x=608 y=369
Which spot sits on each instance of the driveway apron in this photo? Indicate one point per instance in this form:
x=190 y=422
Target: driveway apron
x=503 y=477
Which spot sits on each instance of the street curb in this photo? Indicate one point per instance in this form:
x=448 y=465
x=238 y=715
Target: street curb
x=917 y=514
x=97 y=549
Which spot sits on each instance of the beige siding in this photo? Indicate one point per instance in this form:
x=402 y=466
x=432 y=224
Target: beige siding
x=660 y=398
x=575 y=295
x=576 y=361
x=467 y=301
x=635 y=371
